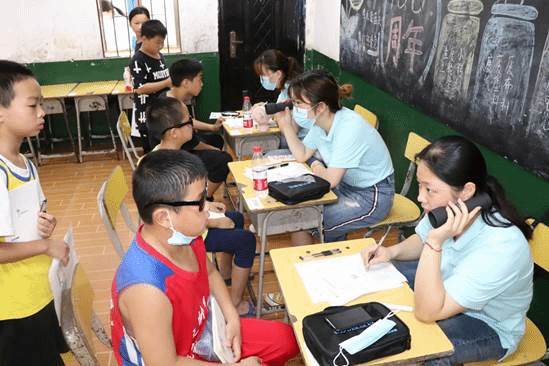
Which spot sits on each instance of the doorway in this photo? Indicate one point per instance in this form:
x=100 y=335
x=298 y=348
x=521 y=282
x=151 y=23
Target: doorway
x=247 y=28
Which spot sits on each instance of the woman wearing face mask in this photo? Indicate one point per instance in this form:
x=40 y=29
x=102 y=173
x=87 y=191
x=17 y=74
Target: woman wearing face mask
x=275 y=71
x=356 y=161
x=473 y=274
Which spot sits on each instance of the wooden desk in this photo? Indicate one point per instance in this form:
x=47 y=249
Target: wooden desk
x=242 y=140
x=54 y=103
x=271 y=217
x=125 y=97
x=90 y=97
x=428 y=340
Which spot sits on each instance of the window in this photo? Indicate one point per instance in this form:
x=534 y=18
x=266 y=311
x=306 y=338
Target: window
x=118 y=38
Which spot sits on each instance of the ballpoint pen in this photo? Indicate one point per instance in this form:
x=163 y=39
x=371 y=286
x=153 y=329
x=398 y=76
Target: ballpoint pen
x=373 y=252
x=278 y=166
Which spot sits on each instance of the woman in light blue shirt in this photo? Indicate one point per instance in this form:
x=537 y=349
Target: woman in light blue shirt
x=474 y=274
x=275 y=71
x=355 y=159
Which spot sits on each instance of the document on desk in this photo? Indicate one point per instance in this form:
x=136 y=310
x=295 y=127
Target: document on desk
x=234 y=122
x=278 y=172
x=342 y=279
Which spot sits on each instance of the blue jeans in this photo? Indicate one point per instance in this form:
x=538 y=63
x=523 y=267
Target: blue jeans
x=473 y=339
x=357 y=208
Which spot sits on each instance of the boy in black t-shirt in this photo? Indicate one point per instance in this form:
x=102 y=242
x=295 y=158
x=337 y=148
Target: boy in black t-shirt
x=150 y=74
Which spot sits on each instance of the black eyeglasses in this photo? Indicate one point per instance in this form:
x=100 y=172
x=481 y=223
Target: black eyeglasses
x=179 y=125
x=200 y=203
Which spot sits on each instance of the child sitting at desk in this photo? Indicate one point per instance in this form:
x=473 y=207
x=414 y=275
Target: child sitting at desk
x=168 y=120
x=474 y=275
x=29 y=329
x=150 y=76
x=186 y=76
x=161 y=289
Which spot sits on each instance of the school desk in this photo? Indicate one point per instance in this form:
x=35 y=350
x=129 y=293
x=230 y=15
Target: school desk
x=91 y=97
x=124 y=96
x=271 y=217
x=54 y=103
x=428 y=340
x=242 y=140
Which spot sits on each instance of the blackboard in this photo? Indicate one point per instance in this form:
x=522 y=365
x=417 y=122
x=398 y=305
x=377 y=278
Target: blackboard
x=482 y=67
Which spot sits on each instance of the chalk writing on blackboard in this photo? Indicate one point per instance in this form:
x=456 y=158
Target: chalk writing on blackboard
x=503 y=69
x=456 y=50
x=410 y=36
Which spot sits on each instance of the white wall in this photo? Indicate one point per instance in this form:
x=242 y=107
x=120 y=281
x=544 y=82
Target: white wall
x=322 y=27
x=60 y=30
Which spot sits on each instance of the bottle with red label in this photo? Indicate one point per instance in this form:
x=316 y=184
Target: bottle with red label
x=247 y=112
x=259 y=170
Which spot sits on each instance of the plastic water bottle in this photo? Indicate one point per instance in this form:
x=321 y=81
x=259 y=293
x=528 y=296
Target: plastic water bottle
x=259 y=171
x=247 y=113
x=128 y=85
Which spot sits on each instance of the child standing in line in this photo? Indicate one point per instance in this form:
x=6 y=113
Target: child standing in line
x=169 y=121
x=29 y=330
x=186 y=76
x=150 y=75
x=161 y=289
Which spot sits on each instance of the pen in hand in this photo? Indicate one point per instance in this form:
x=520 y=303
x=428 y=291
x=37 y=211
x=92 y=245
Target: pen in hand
x=379 y=243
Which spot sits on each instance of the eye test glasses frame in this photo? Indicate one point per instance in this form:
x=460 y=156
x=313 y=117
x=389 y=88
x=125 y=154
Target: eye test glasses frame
x=179 y=125
x=201 y=203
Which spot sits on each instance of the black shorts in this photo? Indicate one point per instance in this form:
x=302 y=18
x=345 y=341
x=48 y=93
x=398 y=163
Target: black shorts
x=36 y=340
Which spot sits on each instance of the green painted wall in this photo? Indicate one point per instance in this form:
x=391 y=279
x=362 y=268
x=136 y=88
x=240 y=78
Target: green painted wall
x=397 y=118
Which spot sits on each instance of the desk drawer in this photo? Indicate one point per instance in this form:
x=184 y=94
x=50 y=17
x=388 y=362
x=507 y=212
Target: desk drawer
x=52 y=106
x=91 y=103
x=290 y=220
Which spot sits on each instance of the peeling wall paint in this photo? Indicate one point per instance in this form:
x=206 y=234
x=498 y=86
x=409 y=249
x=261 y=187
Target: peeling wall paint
x=60 y=30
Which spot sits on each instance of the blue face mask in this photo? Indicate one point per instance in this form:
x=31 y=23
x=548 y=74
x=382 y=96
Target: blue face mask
x=301 y=117
x=178 y=238
x=267 y=83
x=365 y=339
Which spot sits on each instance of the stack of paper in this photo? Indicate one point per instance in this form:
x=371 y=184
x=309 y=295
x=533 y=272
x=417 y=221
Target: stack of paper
x=274 y=173
x=342 y=279
x=224 y=353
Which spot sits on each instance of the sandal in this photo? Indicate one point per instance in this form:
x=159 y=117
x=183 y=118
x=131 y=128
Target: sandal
x=251 y=311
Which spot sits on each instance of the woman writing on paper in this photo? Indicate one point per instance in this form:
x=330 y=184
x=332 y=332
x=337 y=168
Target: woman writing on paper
x=356 y=161
x=473 y=274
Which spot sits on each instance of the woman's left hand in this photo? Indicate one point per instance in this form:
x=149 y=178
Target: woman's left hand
x=317 y=167
x=459 y=218
x=234 y=339
x=216 y=206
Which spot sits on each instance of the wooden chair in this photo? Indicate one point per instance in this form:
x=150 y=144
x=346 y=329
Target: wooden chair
x=532 y=347
x=367 y=115
x=124 y=133
x=404 y=211
x=110 y=201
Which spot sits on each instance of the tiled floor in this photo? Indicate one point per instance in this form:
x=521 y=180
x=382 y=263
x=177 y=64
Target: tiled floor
x=71 y=190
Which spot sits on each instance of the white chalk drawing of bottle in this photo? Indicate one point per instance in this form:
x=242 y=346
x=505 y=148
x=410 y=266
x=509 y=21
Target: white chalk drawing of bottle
x=456 y=50
x=410 y=35
x=538 y=113
x=503 y=69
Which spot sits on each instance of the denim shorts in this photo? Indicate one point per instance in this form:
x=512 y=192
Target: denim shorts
x=357 y=208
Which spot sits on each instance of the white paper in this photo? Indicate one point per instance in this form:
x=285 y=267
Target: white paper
x=291 y=170
x=342 y=279
x=215 y=115
x=224 y=353
x=60 y=276
x=234 y=122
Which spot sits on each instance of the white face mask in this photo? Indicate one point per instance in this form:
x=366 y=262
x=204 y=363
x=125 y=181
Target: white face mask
x=178 y=238
x=365 y=339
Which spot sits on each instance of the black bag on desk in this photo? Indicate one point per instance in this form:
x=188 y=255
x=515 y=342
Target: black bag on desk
x=298 y=189
x=323 y=341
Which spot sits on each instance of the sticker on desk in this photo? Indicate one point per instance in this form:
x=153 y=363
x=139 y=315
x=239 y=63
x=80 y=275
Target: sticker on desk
x=254 y=203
